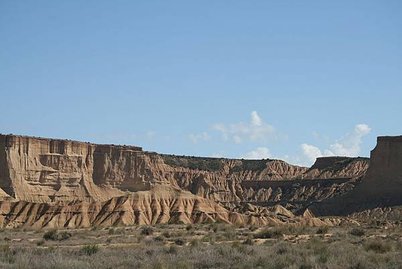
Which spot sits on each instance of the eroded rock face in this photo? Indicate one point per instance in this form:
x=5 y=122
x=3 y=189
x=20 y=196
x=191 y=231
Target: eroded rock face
x=62 y=183
x=382 y=184
x=380 y=187
x=337 y=167
x=161 y=204
x=51 y=170
x=48 y=170
x=265 y=182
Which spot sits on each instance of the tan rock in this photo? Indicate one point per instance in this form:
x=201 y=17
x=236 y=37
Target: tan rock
x=62 y=183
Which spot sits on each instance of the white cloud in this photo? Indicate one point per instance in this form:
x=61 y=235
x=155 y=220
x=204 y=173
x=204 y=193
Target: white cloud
x=255 y=119
x=295 y=160
x=256 y=130
x=195 y=138
x=258 y=153
x=311 y=152
x=349 y=145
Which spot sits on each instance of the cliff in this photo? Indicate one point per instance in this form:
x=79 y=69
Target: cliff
x=44 y=177
x=50 y=170
x=380 y=187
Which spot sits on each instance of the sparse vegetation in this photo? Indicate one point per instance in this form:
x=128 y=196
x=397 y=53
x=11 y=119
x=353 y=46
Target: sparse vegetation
x=56 y=236
x=50 y=235
x=204 y=246
x=253 y=165
x=269 y=233
x=199 y=163
x=357 y=232
x=147 y=231
x=248 y=241
x=179 y=242
x=166 y=234
x=323 y=230
x=195 y=243
x=89 y=249
x=377 y=246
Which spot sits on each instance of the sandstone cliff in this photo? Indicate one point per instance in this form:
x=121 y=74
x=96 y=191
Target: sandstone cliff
x=161 y=204
x=264 y=182
x=380 y=187
x=50 y=170
x=52 y=183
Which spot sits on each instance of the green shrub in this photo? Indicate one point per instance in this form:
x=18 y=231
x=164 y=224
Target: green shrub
x=89 y=250
x=147 y=231
x=159 y=239
x=54 y=235
x=357 y=232
x=179 y=242
x=50 y=235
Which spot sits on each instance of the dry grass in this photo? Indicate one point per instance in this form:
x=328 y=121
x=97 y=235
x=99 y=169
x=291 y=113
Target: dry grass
x=204 y=246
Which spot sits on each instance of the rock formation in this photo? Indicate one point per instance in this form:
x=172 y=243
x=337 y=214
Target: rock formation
x=382 y=184
x=380 y=187
x=62 y=183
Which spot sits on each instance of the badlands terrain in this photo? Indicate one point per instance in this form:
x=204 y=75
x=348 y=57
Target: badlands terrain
x=69 y=204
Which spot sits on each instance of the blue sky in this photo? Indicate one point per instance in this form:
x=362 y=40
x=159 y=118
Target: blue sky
x=281 y=79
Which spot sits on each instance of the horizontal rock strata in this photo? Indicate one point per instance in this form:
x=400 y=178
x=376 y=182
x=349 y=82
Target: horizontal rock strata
x=63 y=183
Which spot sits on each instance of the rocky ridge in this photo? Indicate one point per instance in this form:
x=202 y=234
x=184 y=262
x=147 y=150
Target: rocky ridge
x=62 y=183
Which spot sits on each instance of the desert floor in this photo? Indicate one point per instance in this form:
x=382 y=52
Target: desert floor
x=204 y=246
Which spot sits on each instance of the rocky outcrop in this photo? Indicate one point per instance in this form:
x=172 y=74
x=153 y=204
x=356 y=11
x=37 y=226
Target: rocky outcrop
x=161 y=204
x=50 y=170
x=337 y=167
x=54 y=183
x=264 y=182
x=220 y=179
x=380 y=187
